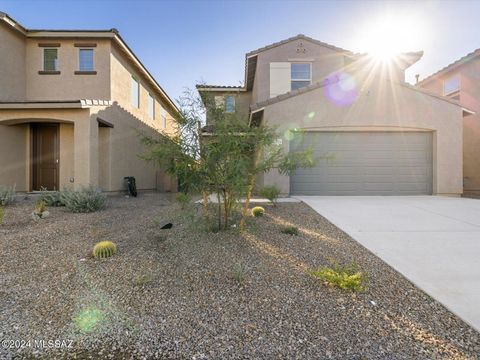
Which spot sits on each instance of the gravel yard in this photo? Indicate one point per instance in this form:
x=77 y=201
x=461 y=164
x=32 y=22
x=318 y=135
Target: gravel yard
x=176 y=294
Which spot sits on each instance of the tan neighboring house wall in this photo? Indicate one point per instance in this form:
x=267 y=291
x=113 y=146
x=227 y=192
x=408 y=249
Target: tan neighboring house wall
x=468 y=71
x=12 y=69
x=98 y=127
x=384 y=103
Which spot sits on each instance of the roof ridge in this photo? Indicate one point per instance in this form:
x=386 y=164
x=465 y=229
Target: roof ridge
x=450 y=66
x=296 y=37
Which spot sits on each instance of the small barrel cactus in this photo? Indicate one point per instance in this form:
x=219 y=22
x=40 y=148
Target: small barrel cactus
x=104 y=249
x=258 y=211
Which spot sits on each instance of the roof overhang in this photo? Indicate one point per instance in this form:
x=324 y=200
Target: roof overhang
x=66 y=104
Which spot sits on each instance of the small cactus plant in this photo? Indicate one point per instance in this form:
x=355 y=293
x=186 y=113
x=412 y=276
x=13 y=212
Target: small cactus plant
x=40 y=211
x=104 y=249
x=258 y=211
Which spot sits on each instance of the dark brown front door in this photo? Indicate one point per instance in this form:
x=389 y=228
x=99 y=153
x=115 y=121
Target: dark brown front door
x=45 y=156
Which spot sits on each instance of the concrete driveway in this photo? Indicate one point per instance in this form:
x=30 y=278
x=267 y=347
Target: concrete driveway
x=434 y=241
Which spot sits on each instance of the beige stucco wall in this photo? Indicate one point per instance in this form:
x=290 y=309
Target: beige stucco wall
x=121 y=75
x=14 y=150
x=125 y=149
x=380 y=106
x=67 y=155
x=469 y=74
x=324 y=62
x=12 y=64
x=67 y=85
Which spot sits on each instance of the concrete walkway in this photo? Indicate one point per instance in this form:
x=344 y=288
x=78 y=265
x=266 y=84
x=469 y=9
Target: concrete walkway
x=434 y=241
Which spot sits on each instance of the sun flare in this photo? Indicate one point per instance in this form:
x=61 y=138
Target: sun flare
x=389 y=36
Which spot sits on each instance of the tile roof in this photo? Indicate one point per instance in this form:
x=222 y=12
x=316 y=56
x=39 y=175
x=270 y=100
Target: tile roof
x=453 y=65
x=297 y=37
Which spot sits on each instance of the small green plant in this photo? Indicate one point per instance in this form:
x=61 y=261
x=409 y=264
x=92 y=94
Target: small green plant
x=51 y=198
x=142 y=280
x=290 y=230
x=7 y=195
x=183 y=199
x=85 y=200
x=104 y=249
x=2 y=214
x=258 y=211
x=40 y=210
x=344 y=277
x=240 y=272
x=270 y=192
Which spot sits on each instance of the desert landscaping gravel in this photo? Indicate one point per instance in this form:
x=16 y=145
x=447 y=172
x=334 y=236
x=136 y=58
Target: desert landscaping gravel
x=178 y=294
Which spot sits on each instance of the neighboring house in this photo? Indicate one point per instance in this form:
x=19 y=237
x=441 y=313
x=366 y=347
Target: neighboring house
x=71 y=105
x=372 y=133
x=461 y=81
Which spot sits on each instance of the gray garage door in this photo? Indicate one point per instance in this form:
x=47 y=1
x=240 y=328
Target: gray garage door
x=365 y=163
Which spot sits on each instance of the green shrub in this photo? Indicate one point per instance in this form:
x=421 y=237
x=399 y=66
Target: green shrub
x=183 y=199
x=240 y=272
x=104 y=249
x=7 y=195
x=51 y=198
x=290 y=230
x=2 y=214
x=143 y=280
x=270 y=192
x=344 y=277
x=85 y=200
x=40 y=211
x=258 y=211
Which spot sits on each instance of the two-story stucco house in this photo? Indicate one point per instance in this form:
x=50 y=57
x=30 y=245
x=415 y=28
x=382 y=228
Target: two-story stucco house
x=372 y=133
x=71 y=105
x=461 y=81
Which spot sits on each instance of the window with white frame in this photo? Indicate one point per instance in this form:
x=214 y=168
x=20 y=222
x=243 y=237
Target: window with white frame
x=451 y=85
x=135 y=93
x=85 y=59
x=50 y=59
x=300 y=75
x=163 y=114
x=151 y=106
x=229 y=104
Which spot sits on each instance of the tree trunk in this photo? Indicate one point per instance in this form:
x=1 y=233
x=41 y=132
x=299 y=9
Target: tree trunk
x=219 y=211
x=206 y=215
x=225 y=205
x=249 y=191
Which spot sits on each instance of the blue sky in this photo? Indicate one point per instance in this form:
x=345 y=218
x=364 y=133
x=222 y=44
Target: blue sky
x=183 y=42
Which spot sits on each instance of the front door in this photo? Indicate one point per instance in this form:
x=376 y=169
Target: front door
x=45 y=156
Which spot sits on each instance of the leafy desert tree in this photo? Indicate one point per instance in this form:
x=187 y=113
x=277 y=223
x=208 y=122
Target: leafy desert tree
x=224 y=159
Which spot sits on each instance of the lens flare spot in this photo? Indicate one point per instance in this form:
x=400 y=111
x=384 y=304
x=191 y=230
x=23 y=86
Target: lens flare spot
x=341 y=89
x=88 y=319
x=311 y=115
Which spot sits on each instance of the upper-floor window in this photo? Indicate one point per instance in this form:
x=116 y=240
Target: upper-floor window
x=451 y=85
x=225 y=103
x=300 y=75
x=163 y=114
x=135 y=93
x=85 y=59
x=50 y=59
x=151 y=107
x=229 y=104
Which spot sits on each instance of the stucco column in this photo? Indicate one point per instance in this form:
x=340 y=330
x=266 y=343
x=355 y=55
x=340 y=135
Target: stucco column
x=86 y=152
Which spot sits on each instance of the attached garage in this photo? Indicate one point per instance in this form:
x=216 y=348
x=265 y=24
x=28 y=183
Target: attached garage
x=365 y=163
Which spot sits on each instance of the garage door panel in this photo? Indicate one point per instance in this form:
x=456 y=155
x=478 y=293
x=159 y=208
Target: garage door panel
x=362 y=163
